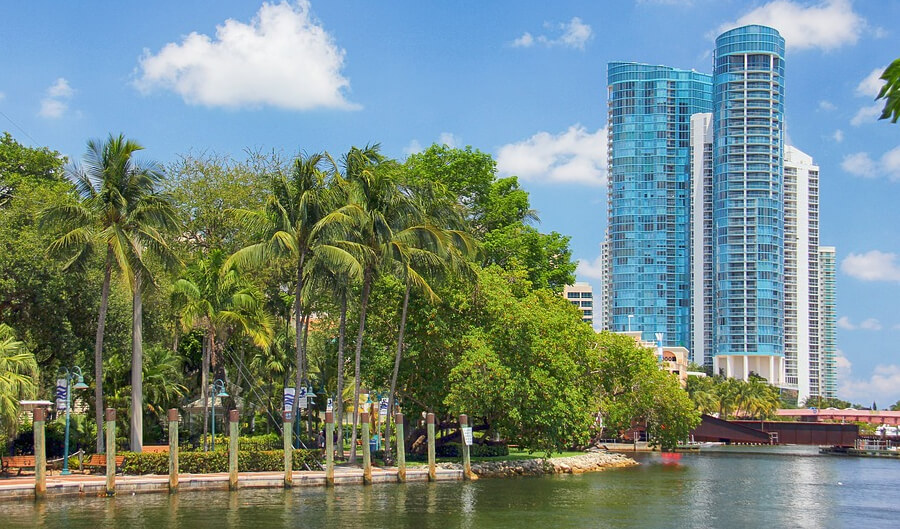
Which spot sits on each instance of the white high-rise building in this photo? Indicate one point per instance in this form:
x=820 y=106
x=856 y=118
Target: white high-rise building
x=582 y=296
x=701 y=239
x=801 y=273
x=605 y=293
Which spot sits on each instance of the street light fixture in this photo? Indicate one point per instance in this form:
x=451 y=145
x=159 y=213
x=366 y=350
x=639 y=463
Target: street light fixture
x=76 y=373
x=218 y=390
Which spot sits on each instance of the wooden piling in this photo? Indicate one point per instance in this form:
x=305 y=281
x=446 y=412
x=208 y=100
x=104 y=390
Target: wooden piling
x=40 y=454
x=233 y=418
x=173 y=450
x=110 y=452
x=367 y=449
x=401 y=447
x=287 y=430
x=432 y=467
x=329 y=448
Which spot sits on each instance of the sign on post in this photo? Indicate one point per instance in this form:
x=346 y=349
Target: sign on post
x=329 y=406
x=288 y=403
x=383 y=408
x=467 y=435
x=301 y=399
x=61 y=389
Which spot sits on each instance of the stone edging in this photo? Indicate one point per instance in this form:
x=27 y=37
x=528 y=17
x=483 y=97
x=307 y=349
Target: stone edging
x=588 y=462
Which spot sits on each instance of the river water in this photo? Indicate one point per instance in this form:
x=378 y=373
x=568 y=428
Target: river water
x=726 y=487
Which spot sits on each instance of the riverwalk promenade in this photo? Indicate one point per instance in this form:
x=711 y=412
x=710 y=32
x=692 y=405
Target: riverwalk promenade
x=22 y=487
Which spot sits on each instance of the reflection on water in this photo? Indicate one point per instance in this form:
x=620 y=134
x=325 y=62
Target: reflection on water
x=718 y=488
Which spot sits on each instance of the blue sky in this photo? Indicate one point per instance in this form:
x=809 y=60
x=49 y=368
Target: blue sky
x=524 y=81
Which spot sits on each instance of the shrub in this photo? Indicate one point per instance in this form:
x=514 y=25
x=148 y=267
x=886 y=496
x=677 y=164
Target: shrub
x=209 y=462
x=477 y=450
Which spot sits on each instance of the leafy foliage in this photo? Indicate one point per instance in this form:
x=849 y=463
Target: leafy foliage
x=890 y=92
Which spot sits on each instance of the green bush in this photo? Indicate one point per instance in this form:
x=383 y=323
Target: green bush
x=477 y=450
x=209 y=462
x=252 y=443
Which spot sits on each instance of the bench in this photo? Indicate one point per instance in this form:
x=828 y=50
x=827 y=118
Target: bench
x=17 y=462
x=99 y=461
x=156 y=449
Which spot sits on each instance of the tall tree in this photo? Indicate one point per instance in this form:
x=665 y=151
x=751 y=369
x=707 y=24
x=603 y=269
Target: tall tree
x=286 y=228
x=122 y=214
x=216 y=299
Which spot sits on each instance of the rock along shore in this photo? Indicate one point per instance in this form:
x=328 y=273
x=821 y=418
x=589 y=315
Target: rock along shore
x=587 y=462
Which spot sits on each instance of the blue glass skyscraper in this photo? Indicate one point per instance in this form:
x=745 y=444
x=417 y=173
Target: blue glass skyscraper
x=648 y=234
x=748 y=202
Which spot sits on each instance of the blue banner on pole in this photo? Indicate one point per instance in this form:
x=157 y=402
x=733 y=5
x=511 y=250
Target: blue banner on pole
x=61 y=389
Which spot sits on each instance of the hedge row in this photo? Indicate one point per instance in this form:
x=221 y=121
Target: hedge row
x=208 y=462
x=477 y=450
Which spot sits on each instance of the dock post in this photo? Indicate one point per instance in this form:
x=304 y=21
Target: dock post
x=432 y=469
x=233 y=419
x=329 y=448
x=287 y=429
x=110 y=452
x=40 y=454
x=467 y=462
x=401 y=447
x=367 y=448
x=173 y=450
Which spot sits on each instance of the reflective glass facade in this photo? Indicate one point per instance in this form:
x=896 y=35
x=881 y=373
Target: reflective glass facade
x=648 y=236
x=748 y=199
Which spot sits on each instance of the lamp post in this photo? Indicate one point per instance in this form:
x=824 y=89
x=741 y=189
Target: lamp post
x=79 y=384
x=218 y=390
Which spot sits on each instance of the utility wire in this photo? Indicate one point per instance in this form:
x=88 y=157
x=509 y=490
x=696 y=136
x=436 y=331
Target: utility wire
x=16 y=125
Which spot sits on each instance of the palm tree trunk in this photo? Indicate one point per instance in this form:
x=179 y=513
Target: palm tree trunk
x=306 y=371
x=137 y=360
x=98 y=351
x=339 y=400
x=204 y=387
x=364 y=301
x=298 y=324
x=390 y=415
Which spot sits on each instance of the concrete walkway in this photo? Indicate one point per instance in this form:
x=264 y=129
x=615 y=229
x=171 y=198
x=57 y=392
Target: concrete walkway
x=22 y=487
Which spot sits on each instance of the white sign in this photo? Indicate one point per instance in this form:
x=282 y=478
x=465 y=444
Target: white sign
x=61 y=388
x=329 y=406
x=383 y=407
x=301 y=400
x=288 y=399
x=467 y=435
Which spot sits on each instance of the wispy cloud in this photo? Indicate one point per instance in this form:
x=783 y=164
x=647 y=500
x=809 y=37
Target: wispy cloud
x=826 y=25
x=55 y=104
x=571 y=34
x=590 y=269
x=575 y=156
x=282 y=58
x=862 y=165
x=826 y=105
x=869 y=324
x=838 y=136
x=882 y=385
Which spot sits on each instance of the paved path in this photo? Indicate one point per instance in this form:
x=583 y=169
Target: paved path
x=76 y=484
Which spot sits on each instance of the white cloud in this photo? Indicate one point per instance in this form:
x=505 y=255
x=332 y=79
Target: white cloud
x=861 y=164
x=2 y=96
x=827 y=106
x=838 y=136
x=871 y=85
x=571 y=34
x=282 y=58
x=844 y=323
x=57 y=101
x=867 y=114
x=449 y=139
x=843 y=364
x=413 y=147
x=883 y=385
x=575 y=155
x=880 y=33
x=590 y=269
x=525 y=41
x=827 y=25
x=872 y=266
x=870 y=324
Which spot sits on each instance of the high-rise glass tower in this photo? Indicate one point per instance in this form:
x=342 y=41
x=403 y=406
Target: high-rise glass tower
x=748 y=203
x=827 y=322
x=648 y=235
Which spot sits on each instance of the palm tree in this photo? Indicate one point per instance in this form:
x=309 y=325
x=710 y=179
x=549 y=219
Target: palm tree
x=216 y=299
x=287 y=227
x=121 y=214
x=18 y=376
x=387 y=222
x=420 y=253
x=162 y=375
